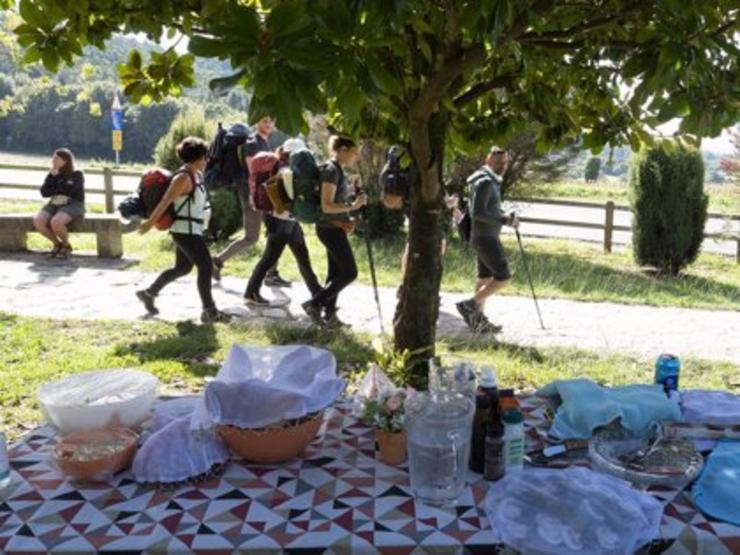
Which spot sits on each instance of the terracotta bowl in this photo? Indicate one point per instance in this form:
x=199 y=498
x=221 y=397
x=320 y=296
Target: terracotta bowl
x=95 y=453
x=271 y=445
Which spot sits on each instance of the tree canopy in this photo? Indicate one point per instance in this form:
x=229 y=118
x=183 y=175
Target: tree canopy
x=435 y=74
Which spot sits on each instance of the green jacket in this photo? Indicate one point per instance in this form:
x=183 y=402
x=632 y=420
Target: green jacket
x=486 y=213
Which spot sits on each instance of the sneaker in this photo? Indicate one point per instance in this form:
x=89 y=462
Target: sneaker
x=217 y=267
x=213 y=316
x=314 y=312
x=275 y=280
x=148 y=299
x=469 y=311
x=55 y=251
x=256 y=300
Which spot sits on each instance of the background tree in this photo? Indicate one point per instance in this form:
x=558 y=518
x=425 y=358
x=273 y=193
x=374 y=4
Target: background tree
x=731 y=164
x=591 y=173
x=669 y=206
x=437 y=75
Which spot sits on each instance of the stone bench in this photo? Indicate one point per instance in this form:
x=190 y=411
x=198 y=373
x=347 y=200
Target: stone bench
x=108 y=229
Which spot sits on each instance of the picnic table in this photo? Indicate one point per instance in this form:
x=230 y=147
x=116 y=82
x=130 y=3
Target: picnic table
x=336 y=498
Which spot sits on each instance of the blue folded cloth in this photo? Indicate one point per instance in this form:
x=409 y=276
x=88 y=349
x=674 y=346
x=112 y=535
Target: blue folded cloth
x=717 y=491
x=587 y=405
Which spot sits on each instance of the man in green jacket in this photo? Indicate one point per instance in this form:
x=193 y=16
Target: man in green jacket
x=487 y=218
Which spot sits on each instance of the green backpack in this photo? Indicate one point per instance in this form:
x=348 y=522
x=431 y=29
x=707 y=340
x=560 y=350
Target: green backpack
x=306 y=187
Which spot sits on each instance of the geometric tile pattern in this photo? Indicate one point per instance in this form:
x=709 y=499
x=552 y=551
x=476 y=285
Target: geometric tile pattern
x=336 y=498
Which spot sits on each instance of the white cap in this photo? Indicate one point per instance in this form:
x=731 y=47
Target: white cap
x=488 y=377
x=294 y=144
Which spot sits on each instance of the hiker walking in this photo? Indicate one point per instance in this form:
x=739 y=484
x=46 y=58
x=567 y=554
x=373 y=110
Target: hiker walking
x=251 y=217
x=64 y=186
x=487 y=218
x=188 y=197
x=282 y=230
x=333 y=227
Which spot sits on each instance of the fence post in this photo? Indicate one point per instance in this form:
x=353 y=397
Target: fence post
x=108 y=183
x=737 y=252
x=608 y=226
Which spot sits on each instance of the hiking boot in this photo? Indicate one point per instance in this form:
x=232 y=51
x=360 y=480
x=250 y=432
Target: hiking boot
x=256 y=300
x=469 y=311
x=148 y=299
x=332 y=320
x=275 y=280
x=485 y=326
x=314 y=312
x=214 y=315
x=217 y=267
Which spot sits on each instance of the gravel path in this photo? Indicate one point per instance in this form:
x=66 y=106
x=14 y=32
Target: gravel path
x=89 y=288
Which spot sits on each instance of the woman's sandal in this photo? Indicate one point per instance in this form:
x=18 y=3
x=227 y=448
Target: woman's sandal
x=64 y=251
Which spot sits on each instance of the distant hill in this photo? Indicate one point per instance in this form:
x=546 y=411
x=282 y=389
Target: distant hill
x=40 y=111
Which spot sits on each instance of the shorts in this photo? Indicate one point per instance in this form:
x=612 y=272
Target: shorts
x=75 y=209
x=492 y=261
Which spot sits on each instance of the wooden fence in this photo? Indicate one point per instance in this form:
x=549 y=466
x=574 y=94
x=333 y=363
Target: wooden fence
x=608 y=226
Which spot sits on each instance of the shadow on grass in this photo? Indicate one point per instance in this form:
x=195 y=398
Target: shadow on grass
x=348 y=347
x=193 y=346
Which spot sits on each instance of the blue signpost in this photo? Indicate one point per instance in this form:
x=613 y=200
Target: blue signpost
x=116 y=113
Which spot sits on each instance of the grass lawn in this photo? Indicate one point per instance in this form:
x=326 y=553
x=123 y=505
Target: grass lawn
x=35 y=351
x=724 y=199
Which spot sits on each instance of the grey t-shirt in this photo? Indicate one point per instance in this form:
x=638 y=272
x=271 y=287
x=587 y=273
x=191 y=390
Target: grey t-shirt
x=331 y=172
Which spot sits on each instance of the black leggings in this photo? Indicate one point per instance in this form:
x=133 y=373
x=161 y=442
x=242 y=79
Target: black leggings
x=342 y=266
x=282 y=233
x=191 y=250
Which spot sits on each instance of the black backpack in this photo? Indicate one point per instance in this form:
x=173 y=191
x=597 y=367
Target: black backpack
x=226 y=168
x=395 y=178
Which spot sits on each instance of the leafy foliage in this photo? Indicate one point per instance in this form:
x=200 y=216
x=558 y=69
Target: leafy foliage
x=189 y=123
x=669 y=206
x=226 y=215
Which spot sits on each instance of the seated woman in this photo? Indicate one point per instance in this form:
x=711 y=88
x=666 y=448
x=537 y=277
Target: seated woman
x=64 y=186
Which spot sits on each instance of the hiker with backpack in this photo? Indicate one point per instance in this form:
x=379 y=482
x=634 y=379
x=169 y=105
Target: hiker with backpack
x=64 y=186
x=396 y=178
x=251 y=216
x=486 y=219
x=333 y=226
x=281 y=227
x=184 y=207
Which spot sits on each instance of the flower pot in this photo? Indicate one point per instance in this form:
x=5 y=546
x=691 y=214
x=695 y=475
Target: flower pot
x=392 y=446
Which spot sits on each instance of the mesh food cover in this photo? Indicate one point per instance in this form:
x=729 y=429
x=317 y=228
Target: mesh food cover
x=261 y=386
x=576 y=510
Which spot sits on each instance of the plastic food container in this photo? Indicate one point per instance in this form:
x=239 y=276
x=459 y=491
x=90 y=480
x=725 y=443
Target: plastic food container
x=95 y=454
x=274 y=444
x=94 y=400
x=643 y=461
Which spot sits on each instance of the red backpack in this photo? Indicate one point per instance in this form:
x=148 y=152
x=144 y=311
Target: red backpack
x=264 y=165
x=152 y=187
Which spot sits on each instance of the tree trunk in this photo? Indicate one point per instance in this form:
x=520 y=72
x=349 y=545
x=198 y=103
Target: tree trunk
x=415 y=322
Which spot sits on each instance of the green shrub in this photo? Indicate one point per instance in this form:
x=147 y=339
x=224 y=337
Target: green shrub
x=593 y=166
x=669 y=206
x=190 y=122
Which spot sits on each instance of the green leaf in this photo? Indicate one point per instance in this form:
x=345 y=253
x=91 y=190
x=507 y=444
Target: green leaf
x=134 y=59
x=383 y=79
x=32 y=55
x=287 y=18
x=31 y=13
x=222 y=85
x=209 y=48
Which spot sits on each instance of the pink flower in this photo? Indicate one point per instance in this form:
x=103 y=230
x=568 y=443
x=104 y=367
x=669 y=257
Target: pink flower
x=394 y=403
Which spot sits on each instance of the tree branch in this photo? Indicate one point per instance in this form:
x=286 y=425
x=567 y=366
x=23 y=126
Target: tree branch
x=580 y=27
x=479 y=89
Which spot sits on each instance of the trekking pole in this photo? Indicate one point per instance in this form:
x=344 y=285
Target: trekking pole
x=371 y=262
x=373 y=277
x=529 y=276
